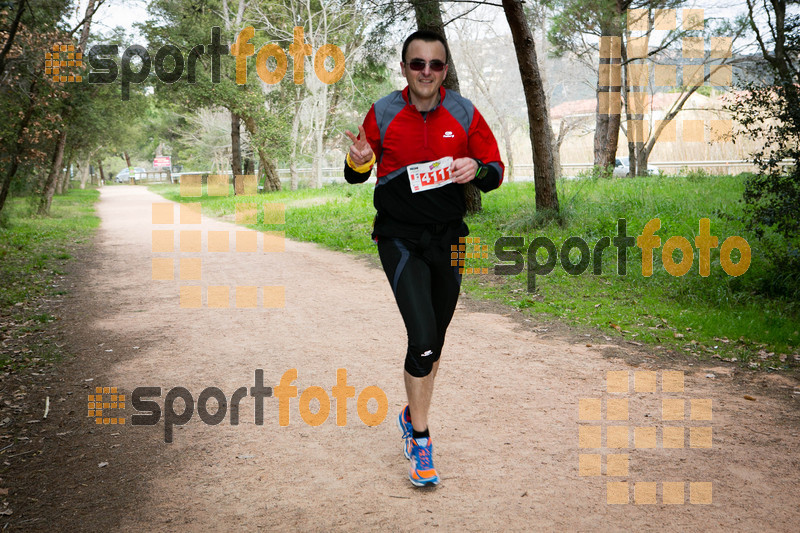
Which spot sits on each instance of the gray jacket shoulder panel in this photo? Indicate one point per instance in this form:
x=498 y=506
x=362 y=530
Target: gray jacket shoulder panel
x=462 y=109
x=386 y=109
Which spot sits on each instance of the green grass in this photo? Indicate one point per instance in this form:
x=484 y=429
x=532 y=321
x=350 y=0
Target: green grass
x=336 y=216
x=715 y=316
x=701 y=315
x=33 y=252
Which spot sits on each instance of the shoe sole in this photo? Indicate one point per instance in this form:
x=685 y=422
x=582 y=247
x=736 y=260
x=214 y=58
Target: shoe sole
x=427 y=483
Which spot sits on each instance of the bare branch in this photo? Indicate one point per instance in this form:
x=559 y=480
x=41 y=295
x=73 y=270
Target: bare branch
x=87 y=16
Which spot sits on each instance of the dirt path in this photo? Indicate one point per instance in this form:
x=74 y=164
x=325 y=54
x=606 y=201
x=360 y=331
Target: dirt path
x=505 y=418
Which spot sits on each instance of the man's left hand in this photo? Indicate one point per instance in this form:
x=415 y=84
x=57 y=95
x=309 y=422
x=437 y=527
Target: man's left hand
x=463 y=170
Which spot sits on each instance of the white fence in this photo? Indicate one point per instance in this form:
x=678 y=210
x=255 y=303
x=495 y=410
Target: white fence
x=711 y=166
x=521 y=172
x=525 y=172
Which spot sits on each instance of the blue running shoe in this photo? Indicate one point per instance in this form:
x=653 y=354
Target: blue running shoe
x=404 y=425
x=422 y=472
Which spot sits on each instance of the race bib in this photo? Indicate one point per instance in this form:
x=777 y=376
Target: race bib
x=429 y=175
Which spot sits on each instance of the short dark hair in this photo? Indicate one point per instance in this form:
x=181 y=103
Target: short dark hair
x=428 y=36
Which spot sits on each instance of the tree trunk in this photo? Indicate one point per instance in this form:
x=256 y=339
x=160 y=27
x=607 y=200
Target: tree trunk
x=641 y=161
x=294 y=179
x=85 y=174
x=320 y=119
x=606 y=133
x=600 y=130
x=509 y=150
x=65 y=179
x=610 y=149
x=236 y=146
x=538 y=114
x=321 y=125
x=50 y=184
x=102 y=174
x=557 y=140
x=89 y=13
x=59 y=182
x=62 y=185
x=625 y=91
x=131 y=178
x=636 y=138
x=266 y=166
x=53 y=177
x=271 y=181
x=67 y=175
x=545 y=49
x=429 y=17
x=12 y=32
x=19 y=147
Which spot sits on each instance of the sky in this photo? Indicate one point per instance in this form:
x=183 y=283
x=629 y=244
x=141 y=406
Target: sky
x=127 y=12
x=115 y=13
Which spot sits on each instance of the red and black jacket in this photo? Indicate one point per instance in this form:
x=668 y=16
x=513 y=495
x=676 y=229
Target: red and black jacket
x=400 y=136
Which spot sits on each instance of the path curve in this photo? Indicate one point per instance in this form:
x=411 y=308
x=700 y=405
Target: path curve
x=505 y=417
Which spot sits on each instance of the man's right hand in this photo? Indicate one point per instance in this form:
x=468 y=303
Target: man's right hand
x=360 y=150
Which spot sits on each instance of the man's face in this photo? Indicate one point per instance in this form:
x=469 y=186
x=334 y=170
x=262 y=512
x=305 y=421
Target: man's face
x=425 y=83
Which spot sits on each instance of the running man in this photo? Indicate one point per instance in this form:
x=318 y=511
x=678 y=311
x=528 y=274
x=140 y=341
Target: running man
x=427 y=143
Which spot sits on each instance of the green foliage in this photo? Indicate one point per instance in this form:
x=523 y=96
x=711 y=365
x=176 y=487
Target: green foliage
x=695 y=174
x=30 y=103
x=597 y=172
x=34 y=109
x=769 y=110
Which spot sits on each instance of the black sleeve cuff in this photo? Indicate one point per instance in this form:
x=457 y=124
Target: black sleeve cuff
x=351 y=176
x=492 y=179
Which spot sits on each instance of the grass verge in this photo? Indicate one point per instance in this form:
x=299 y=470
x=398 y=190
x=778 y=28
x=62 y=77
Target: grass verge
x=33 y=253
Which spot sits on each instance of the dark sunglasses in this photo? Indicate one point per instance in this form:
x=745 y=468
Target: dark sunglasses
x=419 y=64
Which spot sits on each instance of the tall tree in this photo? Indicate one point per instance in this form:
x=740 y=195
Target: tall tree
x=232 y=25
x=604 y=21
x=29 y=100
x=715 y=59
x=536 y=101
x=588 y=29
x=52 y=179
x=188 y=24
